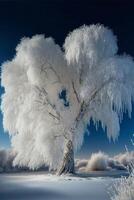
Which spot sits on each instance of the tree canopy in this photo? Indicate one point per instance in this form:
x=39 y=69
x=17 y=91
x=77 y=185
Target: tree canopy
x=52 y=94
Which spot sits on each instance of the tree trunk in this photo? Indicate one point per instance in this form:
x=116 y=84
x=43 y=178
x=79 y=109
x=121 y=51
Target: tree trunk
x=68 y=160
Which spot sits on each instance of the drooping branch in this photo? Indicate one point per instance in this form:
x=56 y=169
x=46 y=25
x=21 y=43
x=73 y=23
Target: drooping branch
x=85 y=105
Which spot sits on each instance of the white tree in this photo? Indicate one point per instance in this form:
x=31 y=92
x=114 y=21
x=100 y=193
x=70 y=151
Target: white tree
x=49 y=98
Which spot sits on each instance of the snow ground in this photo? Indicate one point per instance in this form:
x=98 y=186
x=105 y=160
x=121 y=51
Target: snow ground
x=41 y=186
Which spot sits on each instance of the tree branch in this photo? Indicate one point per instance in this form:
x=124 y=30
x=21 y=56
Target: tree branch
x=50 y=67
x=75 y=92
x=85 y=105
x=56 y=117
x=43 y=93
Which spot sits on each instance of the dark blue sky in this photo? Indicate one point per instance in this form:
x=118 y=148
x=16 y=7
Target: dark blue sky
x=57 y=18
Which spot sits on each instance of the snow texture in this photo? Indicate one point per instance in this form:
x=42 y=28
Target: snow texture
x=41 y=186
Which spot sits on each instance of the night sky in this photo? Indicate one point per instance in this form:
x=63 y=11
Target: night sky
x=57 y=18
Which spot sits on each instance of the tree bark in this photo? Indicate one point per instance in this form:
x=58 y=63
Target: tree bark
x=68 y=160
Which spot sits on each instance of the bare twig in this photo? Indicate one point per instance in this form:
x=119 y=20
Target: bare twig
x=43 y=93
x=50 y=67
x=56 y=117
x=75 y=92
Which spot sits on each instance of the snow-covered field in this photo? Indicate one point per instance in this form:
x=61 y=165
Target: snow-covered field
x=41 y=186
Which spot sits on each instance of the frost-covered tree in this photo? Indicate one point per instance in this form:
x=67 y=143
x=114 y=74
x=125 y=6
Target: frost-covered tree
x=51 y=95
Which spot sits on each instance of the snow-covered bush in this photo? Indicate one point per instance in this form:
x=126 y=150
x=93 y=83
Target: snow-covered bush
x=123 y=189
x=98 y=161
x=126 y=158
